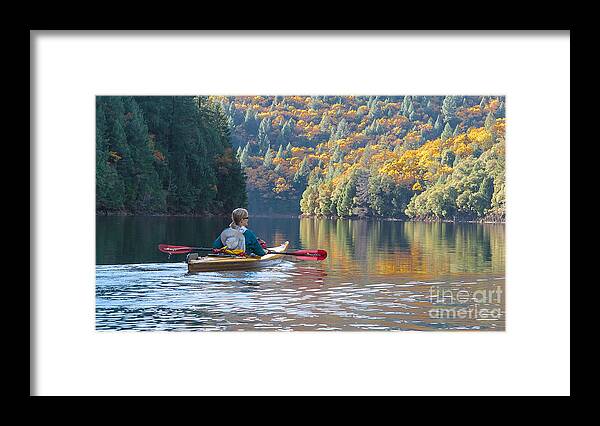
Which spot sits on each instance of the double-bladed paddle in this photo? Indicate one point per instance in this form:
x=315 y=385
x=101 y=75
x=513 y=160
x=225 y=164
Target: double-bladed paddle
x=169 y=249
x=300 y=254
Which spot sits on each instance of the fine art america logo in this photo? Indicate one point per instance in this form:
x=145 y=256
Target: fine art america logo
x=464 y=303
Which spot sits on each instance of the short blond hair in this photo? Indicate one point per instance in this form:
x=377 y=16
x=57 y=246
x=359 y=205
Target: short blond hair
x=238 y=214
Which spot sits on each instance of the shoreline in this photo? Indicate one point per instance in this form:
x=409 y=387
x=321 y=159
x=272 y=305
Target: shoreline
x=300 y=216
x=394 y=219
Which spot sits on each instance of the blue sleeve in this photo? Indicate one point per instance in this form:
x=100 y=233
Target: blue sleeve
x=218 y=243
x=252 y=244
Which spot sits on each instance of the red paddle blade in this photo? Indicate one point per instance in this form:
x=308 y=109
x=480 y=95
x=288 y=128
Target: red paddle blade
x=309 y=258
x=166 y=248
x=310 y=254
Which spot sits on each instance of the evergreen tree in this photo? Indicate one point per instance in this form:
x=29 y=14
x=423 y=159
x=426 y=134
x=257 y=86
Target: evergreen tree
x=264 y=144
x=193 y=179
x=429 y=107
x=456 y=131
x=109 y=186
x=447 y=132
x=144 y=184
x=250 y=121
x=360 y=201
x=118 y=144
x=308 y=202
x=279 y=152
x=406 y=102
x=232 y=113
x=438 y=126
x=490 y=121
x=325 y=124
x=449 y=108
x=268 y=160
x=263 y=134
x=342 y=129
x=248 y=118
x=244 y=157
x=304 y=168
x=230 y=179
x=337 y=156
x=286 y=131
x=500 y=112
x=344 y=202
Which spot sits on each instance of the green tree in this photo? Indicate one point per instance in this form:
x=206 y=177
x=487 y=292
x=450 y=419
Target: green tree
x=438 y=127
x=449 y=107
x=304 y=168
x=501 y=111
x=325 y=124
x=250 y=121
x=268 y=159
x=146 y=194
x=279 y=152
x=447 y=132
x=159 y=153
x=344 y=203
x=342 y=129
x=337 y=156
x=308 y=202
x=263 y=135
x=456 y=131
x=109 y=186
x=490 y=120
x=360 y=201
x=244 y=157
x=230 y=179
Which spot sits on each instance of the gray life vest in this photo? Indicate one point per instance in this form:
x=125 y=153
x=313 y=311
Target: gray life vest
x=233 y=239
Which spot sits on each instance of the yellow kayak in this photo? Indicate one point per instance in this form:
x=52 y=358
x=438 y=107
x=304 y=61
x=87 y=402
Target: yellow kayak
x=213 y=263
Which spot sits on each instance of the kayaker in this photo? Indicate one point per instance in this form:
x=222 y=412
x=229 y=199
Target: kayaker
x=238 y=236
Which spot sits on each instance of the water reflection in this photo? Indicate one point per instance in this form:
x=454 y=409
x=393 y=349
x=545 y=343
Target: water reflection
x=379 y=275
x=425 y=249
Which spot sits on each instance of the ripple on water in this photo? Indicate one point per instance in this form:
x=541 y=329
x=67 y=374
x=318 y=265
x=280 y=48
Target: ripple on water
x=164 y=296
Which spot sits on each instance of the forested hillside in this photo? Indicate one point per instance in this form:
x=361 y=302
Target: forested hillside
x=419 y=157
x=165 y=154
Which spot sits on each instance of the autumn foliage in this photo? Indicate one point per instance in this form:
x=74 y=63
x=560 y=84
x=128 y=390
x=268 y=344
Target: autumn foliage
x=422 y=157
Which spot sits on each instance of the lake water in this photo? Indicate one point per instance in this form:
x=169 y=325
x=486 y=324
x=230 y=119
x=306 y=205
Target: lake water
x=379 y=275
